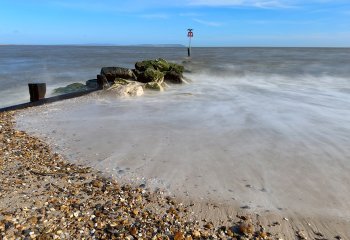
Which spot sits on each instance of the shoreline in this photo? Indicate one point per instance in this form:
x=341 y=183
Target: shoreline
x=40 y=189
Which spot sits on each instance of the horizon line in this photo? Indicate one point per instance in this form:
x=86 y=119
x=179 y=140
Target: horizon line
x=172 y=45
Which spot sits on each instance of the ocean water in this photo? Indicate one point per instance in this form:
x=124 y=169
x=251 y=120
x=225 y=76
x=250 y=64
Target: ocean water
x=264 y=127
x=60 y=65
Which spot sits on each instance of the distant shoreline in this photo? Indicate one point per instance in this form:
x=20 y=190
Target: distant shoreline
x=171 y=46
x=100 y=45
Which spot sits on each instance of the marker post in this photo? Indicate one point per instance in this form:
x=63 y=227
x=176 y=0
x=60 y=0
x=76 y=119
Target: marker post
x=190 y=36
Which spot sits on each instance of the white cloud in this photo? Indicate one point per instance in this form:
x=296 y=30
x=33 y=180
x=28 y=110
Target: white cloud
x=208 y=23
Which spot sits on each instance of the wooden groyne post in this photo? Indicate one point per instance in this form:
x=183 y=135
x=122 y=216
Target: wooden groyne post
x=37 y=91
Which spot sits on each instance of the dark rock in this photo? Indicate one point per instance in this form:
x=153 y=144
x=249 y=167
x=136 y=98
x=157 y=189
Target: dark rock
x=99 y=207
x=8 y=225
x=173 y=77
x=26 y=232
x=245 y=207
x=102 y=81
x=92 y=83
x=140 y=75
x=111 y=73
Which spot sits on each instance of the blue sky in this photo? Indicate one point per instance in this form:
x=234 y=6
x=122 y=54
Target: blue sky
x=215 y=22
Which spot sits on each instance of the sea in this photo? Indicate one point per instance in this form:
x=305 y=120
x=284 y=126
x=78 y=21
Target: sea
x=264 y=127
x=61 y=65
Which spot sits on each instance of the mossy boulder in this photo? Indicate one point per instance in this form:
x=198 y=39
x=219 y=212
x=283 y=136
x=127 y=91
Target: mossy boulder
x=154 y=86
x=74 y=87
x=161 y=65
x=176 y=68
x=142 y=66
x=157 y=64
x=150 y=75
x=154 y=75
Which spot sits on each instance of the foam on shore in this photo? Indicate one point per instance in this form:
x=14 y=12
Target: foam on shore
x=257 y=142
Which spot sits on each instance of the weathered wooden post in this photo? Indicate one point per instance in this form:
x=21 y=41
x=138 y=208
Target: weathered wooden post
x=37 y=91
x=190 y=36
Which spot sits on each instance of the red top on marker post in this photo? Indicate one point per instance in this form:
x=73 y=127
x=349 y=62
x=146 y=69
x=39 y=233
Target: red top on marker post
x=190 y=33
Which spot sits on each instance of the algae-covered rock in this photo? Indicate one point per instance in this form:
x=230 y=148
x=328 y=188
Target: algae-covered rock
x=145 y=71
x=176 y=68
x=143 y=65
x=161 y=65
x=152 y=75
x=157 y=64
x=74 y=87
x=111 y=73
x=154 y=86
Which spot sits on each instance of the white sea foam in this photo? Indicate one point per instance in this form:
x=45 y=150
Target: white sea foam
x=267 y=140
